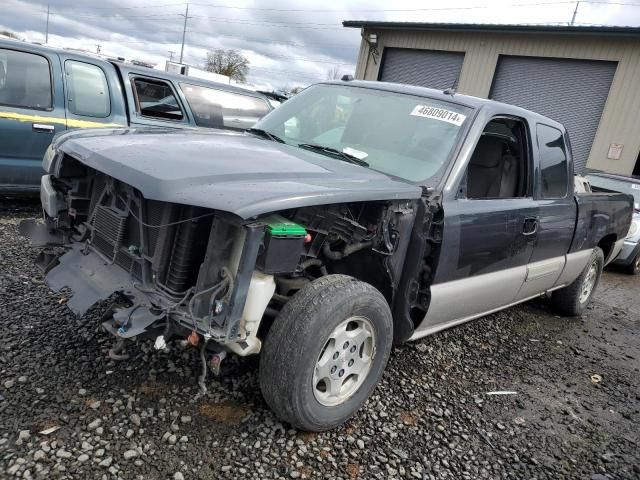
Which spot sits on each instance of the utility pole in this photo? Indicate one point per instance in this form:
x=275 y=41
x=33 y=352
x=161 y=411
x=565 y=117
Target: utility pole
x=171 y=54
x=184 y=31
x=46 y=32
x=575 y=12
x=98 y=46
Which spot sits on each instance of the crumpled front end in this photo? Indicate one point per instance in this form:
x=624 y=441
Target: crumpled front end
x=200 y=273
x=171 y=269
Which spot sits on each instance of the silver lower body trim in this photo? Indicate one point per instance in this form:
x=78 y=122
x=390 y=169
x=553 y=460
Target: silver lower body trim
x=459 y=301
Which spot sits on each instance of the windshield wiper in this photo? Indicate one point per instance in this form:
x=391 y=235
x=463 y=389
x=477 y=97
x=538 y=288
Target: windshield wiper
x=265 y=134
x=334 y=152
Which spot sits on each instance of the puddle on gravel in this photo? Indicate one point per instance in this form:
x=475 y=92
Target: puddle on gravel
x=227 y=413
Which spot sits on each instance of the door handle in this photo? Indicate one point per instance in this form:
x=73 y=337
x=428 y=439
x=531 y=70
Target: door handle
x=43 y=127
x=530 y=226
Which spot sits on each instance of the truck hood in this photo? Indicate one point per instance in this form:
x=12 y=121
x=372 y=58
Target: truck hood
x=229 y=171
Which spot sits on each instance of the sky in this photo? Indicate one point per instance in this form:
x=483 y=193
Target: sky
x=289 y=43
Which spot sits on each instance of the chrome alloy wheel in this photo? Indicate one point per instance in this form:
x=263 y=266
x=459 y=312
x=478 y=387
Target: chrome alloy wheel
x=589 y=282
x=344 y=362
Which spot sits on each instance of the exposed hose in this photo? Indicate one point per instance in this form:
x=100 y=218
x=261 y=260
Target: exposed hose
x=288 y=284
x=115 y=351
x=213 y=290
x=346 y=251
x=203 y=375
x=227 y=280
x=314 y=262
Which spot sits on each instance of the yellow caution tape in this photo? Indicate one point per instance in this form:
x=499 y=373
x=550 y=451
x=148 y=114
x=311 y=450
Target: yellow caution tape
x=68 y=122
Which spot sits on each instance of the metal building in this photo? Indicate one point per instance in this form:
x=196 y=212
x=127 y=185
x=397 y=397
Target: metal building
x=588 y=78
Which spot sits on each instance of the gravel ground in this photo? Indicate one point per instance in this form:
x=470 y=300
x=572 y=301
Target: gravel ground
x=575 y=413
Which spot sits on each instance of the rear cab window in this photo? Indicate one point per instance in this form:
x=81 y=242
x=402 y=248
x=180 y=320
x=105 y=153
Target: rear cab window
x=554 y=164
x=215 y=108
x=88 y=91
x=25 y=80
x=156 y=99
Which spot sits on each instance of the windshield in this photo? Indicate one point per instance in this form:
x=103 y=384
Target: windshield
x=402 y=135
x=615 y=185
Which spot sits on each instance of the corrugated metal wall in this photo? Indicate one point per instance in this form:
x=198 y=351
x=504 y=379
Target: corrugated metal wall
x=620 y=122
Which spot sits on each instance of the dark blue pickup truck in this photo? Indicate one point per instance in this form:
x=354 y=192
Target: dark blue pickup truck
x=44 y=91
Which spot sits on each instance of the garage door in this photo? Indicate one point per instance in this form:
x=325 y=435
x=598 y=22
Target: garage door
x=426 y=68
x=572 y=92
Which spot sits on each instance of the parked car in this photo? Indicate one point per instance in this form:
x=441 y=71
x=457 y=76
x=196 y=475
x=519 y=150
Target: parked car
x=629 y=257
x=389 y=213
x=44 y=91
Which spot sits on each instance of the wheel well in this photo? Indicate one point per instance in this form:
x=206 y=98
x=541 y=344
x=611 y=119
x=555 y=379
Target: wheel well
x=606 y=245
x=366 y=267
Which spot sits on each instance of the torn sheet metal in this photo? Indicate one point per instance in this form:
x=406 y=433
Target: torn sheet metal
x=90 y=278
x=39 y=234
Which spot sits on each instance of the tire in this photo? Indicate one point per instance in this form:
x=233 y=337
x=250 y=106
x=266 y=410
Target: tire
x=634 y=267
x=573 y=299
x=300 y=338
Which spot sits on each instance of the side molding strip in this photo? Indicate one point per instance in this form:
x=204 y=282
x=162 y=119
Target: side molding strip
x=456 y=302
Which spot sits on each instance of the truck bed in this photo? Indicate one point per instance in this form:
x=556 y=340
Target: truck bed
x=601 y=216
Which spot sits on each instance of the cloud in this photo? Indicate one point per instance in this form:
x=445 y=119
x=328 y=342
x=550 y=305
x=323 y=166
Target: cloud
x=288 y=43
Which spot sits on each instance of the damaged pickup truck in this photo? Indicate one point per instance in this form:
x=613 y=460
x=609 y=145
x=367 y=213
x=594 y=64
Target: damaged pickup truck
x=355 y=216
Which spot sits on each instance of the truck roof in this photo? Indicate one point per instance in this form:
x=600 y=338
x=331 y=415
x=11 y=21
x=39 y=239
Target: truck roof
x=125 y=66
x=476 y=103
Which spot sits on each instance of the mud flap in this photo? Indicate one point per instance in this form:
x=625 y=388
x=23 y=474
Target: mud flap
x=89 y=277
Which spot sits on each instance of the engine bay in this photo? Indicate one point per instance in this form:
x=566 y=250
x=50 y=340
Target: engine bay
x=202 y=274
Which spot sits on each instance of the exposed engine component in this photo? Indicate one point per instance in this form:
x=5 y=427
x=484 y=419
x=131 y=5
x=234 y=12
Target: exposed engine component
x=209 y=277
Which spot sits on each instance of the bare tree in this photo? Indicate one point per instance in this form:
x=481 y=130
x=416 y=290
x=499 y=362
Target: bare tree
x=10 y=34
x=228 y=62
x=334 y=73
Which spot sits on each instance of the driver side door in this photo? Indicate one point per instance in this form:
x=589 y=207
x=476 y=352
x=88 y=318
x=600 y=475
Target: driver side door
x=489 y=229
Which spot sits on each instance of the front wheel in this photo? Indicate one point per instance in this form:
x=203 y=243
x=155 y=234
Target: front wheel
x=325 y=352
x=573 y=299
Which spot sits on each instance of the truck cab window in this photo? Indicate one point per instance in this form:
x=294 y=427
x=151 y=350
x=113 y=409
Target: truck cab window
x=221 y=109
x=553 y=162
x=499 y=166
x=25 y=80
x=88 y=90
x=156 y=99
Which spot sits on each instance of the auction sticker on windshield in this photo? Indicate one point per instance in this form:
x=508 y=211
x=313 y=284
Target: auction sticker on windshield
x=442 y=114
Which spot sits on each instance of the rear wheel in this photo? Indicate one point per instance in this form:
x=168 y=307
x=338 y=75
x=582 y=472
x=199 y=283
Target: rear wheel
x=574 y=298
x=325 y=352
x=634 y=267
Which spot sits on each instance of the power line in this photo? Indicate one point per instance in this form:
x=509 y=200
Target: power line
x=262 y=40
x=141 y=7
x=366 y=10
x=430 y=9
x=241 y=21
x=383 y=10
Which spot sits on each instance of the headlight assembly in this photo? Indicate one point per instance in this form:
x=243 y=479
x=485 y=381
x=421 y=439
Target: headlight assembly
x=634 y=229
